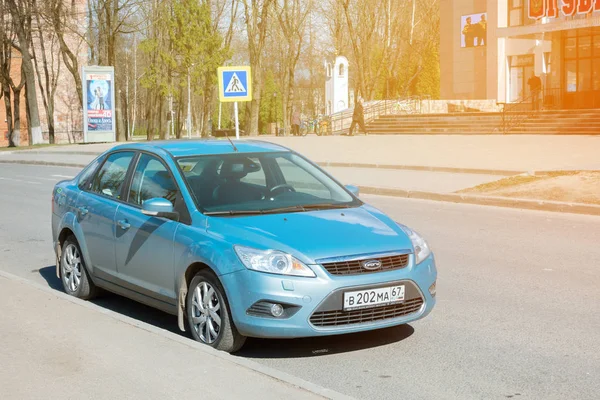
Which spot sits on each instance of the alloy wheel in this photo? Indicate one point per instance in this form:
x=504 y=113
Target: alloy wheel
x=71 y=267
x=206 y=312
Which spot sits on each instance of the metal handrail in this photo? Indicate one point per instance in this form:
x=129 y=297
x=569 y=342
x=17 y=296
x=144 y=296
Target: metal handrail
x=512 y=119
x=340 y=122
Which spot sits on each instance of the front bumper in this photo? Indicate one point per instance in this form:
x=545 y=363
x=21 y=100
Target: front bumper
x=308 y=296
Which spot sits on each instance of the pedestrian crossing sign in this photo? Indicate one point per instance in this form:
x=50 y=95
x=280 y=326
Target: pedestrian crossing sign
x=235 y=84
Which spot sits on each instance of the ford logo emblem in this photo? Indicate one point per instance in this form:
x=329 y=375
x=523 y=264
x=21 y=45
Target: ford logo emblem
x=371 y=264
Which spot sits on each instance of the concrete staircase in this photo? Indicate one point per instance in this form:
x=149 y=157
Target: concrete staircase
x=557 y=122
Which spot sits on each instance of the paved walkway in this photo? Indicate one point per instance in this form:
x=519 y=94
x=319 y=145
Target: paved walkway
x=53 y=347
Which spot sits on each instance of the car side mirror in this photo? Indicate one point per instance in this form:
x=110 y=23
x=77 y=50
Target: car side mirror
x=353 y=189
x=159 y=207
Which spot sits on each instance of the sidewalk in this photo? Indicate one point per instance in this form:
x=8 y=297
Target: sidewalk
x=58 y=347
x=518 y=153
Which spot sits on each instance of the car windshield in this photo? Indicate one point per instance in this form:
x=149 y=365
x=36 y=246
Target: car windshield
x=256 y=183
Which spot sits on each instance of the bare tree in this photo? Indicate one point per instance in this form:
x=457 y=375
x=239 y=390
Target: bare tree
x=5 y=69
x=292 y=17
x=49 y=82
x=57 y=15
x=256 y=18
x=21 y=13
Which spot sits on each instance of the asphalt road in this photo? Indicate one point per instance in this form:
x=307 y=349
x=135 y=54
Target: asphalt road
x=518 y=312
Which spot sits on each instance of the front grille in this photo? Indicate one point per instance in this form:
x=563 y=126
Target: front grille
x=339 y=318
x=355 y=267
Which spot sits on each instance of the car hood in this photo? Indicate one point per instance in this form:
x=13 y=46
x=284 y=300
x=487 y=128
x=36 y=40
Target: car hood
x=314 y=235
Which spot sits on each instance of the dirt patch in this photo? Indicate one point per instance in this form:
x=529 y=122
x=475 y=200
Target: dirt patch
x=569 y=186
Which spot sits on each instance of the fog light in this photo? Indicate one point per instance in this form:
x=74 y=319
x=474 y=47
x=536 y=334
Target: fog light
x=277 y=310
x=432 y=289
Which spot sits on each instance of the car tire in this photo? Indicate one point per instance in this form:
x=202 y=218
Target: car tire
x=73 y=271
x=209 y=316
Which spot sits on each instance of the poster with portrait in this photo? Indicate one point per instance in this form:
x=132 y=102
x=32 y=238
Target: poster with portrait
x=473 y=30
x=99 y=114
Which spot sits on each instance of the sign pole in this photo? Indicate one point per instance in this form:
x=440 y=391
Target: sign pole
x=220 y=104
x=237 y=127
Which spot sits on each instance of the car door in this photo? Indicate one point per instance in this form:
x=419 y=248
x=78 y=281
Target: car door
x=96 y=206
x=144 y=245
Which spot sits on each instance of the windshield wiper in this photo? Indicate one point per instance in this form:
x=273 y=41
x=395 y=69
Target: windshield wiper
x=325 y=206
x=283 y=209
x=305 y=207
x=235 y=212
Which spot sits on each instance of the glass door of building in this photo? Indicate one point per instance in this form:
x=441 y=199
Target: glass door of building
x=521 y=69
x=582 y=68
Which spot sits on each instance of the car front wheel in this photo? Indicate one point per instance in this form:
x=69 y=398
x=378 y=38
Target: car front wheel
x=208 y=314
x=73 y=274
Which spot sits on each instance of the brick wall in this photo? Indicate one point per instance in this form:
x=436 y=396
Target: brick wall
x=15 y=71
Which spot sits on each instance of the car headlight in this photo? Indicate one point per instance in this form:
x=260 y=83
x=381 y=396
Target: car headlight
x=272 y=261
x=422 y=250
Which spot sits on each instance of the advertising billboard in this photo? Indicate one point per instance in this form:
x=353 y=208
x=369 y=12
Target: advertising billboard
x=473 y=30
x=98 y=102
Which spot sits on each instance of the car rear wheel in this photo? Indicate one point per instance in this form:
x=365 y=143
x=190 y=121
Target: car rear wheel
x=73 y=273
x=208 y=314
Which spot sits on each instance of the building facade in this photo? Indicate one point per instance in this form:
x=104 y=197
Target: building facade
x=491 y=50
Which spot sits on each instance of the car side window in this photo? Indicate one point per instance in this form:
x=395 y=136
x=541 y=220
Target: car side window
x=150 y=180
x=111 y=176
x=86 y=176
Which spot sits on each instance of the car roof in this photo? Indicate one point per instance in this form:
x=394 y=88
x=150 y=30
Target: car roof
x=193 y=147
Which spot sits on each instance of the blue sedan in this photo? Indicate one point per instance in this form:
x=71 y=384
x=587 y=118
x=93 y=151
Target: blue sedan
x=237 y=239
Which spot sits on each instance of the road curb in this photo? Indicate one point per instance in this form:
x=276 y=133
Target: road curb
x=539 y=205
x=254 y=366
x=46 y=163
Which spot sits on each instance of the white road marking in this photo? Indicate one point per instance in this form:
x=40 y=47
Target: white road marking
x=37 y=177
x=20 y=180
x=64 y=176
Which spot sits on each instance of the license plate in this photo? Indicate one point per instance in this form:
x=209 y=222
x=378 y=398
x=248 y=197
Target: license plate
x=373 y=297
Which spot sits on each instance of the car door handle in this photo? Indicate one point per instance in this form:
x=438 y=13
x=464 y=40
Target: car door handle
x=123 y=224
x=83 y=211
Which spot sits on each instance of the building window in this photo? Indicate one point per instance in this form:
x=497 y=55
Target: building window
x=521 y=69
x=582 y=60
x=516 y=12
x=547 y=63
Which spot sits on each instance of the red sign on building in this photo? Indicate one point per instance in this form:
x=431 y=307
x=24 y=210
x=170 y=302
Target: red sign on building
x=550 y=8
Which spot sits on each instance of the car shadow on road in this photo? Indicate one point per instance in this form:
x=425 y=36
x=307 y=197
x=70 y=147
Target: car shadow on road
x=324 y=345
x=254 y=348
x=121 y=305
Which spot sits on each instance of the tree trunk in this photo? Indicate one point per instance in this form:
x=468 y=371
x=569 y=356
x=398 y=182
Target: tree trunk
x=12 y=141
x=150 y=120
x=255 y=106
x=17 y=117
x=50 y=87
x=27 y=65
